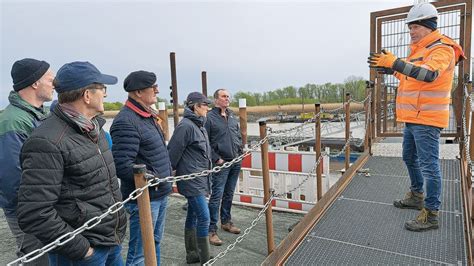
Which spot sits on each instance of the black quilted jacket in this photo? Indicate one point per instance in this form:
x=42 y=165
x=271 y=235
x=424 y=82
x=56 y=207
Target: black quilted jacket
x=68 y=179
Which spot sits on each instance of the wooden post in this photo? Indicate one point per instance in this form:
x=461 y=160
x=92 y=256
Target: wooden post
x=372 y=117
x=144 y=211
x=367 y=118
x=348 y=129
x=471 y=147
x=317 y=148
x=174 y=88
x=266 y=187
x=243 y=120
x=204 y=83
x=164 y=120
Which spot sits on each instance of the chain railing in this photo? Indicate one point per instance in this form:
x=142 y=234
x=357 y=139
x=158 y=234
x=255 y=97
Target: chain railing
x=241 y=237
x=151 y=182
x=466 y=139
x=262 y=212
x=154 y=181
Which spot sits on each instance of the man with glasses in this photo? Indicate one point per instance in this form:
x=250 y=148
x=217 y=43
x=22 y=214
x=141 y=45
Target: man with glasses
x=226 y=143
x=137 y=139
x=69 y=175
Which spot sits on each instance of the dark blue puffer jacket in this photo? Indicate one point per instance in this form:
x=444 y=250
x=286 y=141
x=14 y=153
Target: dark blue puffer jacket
x=139 y=140
x=190 y=153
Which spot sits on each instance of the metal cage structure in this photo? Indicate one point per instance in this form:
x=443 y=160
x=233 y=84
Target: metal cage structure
x=389 y=31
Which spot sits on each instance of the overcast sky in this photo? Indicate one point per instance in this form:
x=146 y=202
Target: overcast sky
x=243 y=45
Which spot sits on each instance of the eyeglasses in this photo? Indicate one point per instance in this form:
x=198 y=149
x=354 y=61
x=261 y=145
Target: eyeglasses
x=103 y=88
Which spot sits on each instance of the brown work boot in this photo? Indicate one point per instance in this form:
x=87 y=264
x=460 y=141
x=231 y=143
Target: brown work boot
x=231 y=228
x=412 y=200
x=214 y=239
x=426 y=220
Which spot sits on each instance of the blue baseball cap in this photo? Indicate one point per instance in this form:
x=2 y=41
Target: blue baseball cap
x=77 y=75
x=196 y=97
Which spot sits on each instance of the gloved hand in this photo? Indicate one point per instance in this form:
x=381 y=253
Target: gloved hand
x=384 y=59
x=384 y=70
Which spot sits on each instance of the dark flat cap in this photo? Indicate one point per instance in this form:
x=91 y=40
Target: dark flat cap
x=138 y=80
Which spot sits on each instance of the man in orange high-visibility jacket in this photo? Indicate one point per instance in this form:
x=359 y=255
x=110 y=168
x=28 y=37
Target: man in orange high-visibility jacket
x=423 y=98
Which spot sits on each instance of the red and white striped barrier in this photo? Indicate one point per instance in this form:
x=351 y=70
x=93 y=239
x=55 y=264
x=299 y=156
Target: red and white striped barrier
x=277 y=204
x=301 y=162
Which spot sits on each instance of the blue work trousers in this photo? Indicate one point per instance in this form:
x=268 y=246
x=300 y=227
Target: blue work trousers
x=421 y=156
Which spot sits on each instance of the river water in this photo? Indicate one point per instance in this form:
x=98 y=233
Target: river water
x=329 y=129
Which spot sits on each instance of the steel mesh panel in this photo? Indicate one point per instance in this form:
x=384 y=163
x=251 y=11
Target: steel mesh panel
x=387 y=188
x=394 y=166
x=362 y=227
x=395 y=38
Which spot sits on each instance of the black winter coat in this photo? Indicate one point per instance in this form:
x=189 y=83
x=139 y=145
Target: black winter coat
x=190 y=153
x=68 y=179
x=224 y=135
x=137 y=139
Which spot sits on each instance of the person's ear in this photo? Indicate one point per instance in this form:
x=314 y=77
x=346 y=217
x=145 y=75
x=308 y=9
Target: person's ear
x=87 y=96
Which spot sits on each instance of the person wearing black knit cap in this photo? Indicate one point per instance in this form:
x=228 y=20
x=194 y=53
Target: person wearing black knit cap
x=32 y=86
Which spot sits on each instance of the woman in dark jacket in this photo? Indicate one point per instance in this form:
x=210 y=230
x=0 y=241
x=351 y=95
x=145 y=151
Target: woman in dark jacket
x=190 y=152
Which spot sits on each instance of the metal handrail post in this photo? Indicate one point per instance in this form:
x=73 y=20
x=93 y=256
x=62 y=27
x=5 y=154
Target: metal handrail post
x=144 y=211
x=317 y=148
x=348 y=129
x=266 y=187
x=163 y=113
x=243 y=120
x=174 y=88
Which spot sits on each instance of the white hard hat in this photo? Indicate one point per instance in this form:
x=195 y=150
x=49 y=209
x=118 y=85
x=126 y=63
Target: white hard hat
x=421 y=11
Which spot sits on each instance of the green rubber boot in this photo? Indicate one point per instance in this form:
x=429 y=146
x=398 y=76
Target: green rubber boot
x=190 y=243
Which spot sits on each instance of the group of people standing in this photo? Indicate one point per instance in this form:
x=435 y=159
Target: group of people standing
x=60 y=170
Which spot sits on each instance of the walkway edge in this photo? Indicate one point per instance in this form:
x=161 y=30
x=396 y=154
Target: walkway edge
x=289 y=244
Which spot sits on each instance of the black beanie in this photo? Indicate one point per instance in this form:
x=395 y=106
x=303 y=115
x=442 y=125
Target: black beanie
x=27 y=71
x=139 y=80
x=430 y=23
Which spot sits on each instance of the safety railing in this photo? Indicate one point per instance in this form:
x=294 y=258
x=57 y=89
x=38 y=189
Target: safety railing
x=145 y=181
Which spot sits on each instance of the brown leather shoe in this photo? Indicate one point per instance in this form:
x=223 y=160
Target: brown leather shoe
x=214 y=239
x=231 y=228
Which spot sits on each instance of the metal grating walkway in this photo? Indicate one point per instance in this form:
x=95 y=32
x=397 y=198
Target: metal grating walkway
x=363 y=228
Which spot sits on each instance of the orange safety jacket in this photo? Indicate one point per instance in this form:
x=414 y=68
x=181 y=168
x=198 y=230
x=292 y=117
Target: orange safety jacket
x=427 y=102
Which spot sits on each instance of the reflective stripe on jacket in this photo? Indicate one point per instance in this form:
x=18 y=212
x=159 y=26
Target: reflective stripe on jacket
x=422 y=102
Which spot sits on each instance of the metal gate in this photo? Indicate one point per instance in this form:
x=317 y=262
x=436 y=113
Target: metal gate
x=389 y=31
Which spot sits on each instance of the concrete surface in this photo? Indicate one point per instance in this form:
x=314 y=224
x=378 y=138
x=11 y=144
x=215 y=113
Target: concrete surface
x=251 y=251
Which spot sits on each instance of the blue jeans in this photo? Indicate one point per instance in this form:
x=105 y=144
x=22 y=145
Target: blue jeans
x=223 y=186
x=135 y=246
x=421 y=156
x=101 y=256
x=198 y=215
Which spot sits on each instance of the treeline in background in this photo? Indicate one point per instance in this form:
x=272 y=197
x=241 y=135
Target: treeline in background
x=309 y=93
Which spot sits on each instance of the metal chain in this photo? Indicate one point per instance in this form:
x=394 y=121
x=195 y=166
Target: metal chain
x=261 y=213
x=464 y=126
x=152 y=181
x=306 y=178
x=241 y=237
x=335 y=110
x=282 y=131
x=363 y=101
